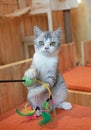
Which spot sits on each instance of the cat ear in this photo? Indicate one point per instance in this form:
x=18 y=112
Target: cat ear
x=58 y=32
x=37 y=31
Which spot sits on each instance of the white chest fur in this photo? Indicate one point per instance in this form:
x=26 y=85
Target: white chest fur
x=44 y=64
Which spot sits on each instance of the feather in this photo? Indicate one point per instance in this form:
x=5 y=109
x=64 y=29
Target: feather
x=31 y=117
x=29 y=82
x=46 y=118
x=25 y=114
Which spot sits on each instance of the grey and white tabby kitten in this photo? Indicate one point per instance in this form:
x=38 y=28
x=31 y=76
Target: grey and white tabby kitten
x=45 y=68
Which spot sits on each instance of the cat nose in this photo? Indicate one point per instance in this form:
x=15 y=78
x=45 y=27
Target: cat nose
x=46 y=48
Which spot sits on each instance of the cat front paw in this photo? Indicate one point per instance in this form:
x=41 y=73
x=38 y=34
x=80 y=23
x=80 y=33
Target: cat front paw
x=31 y=73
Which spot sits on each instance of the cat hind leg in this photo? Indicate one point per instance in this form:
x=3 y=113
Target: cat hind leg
x=65 y=106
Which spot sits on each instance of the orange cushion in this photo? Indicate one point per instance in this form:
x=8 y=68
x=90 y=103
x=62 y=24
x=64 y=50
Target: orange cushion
x=78 y=78
x=88 y=65
x=79 y=118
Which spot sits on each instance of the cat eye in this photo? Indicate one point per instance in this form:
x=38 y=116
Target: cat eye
x=52 y=43
x=41 y=43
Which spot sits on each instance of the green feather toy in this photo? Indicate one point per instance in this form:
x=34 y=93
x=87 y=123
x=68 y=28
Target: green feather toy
x=25 y=114
x=29 y=82
x=46 y=118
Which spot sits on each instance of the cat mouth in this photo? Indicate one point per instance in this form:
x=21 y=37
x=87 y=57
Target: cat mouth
x=46 y=50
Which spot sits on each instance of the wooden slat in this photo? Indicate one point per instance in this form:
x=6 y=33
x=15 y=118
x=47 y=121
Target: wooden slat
x=28 y=39
x=67 y=57
x=8 y=2
x=86 y=52
x=58 y=21
x=79 y=97
x=16 y=13
x=15 y=64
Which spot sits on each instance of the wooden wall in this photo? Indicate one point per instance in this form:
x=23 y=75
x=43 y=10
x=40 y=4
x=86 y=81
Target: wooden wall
x=67 y=57
x=80 y=26
x=12 y=94
x=11 y=48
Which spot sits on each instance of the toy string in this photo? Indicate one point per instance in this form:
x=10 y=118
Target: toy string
x=44 y=84
x=31 y=114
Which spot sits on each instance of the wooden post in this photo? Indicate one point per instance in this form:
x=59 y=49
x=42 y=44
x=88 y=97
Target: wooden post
x=68 y=35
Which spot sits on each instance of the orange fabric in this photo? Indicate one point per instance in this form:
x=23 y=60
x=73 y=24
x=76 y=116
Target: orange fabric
x=88 y=65
x=78 y=78
x=79 y=118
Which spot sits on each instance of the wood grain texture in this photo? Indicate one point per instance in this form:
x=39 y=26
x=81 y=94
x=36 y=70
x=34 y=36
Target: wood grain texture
x=79 y=97
x=12 y=94
x=67 y=57
x=80 y=26
x=86 y=52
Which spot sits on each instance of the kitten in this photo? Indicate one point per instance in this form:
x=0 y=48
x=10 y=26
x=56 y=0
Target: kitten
x=45 y=68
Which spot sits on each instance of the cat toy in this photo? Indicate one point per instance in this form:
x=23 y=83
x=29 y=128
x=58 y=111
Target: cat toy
x=47 y=105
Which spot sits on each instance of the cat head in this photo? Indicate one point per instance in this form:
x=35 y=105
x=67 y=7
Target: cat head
x=47 y=43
